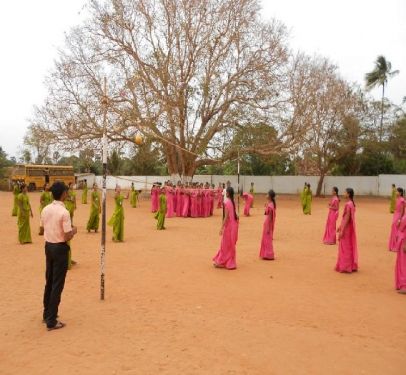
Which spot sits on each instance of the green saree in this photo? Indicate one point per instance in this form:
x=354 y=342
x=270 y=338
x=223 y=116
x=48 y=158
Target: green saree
x=84 y=194
x=393 y=201
x=117 y=220
x=45 y=199
x=160 y=215
x=133 y=198
x=70 y=203
x=16 y=191
x=93 y=223
x=307 y=207
x=23 y=218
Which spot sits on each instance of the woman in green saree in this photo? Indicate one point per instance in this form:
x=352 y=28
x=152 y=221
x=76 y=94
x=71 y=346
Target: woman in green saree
x=44 y=200
x=133 y=196
x=70 y=205
x=93 y=223
x=117 y=220
x=393 y=199
x=307 y=207
x=84 y=193
x=70 y=201
x=161 y=213
x=23 y=216
x=16 y=191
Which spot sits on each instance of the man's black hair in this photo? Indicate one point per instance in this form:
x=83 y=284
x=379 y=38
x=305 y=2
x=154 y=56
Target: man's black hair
x=57 y=190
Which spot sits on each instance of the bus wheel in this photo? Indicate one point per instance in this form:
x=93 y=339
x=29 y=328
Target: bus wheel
x=31 y=187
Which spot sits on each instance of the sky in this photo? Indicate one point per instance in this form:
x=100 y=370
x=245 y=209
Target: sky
x=351 y=33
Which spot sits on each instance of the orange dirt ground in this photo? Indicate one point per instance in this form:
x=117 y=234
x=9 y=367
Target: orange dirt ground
x=168 y=311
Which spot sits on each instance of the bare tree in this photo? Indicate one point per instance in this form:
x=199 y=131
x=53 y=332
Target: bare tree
x=326 y=103
x=184 y=72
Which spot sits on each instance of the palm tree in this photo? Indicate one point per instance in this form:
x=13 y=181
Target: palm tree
x=379 y=77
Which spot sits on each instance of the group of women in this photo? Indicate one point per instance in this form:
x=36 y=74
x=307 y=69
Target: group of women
x=347 y=258
x=226 y=255
x=197 y=200
x=187 y=200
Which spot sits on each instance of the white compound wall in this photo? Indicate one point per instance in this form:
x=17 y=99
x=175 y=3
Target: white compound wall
x=362 y=185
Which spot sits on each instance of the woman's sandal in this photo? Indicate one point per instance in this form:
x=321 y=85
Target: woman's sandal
x=58 y=325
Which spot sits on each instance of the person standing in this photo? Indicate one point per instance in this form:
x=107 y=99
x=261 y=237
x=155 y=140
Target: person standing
x=248 y=198
x=397 y=217
x=70 y=201
x=226 y=256
x=16 y=191
x=133 y=196
x=400 y=267
x=154 y=197
x=347 y=261
x=228 y=184
x=329 y=237
x=266 y=251
x=220 y=195
x=95 y=209
x=179 y=193
x=117 y=220
x=23 y=216
x=44 y=200
x=58 y=230
x=308 y=196
x=393 y=199
x=170 y=193
x=70 y=205
x=84 y=193
x=252 y=192
x=186 y=202
x=161 y=213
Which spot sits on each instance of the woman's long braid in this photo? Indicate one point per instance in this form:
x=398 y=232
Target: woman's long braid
x=350 y=193
x=272 y=195
x=230 y=192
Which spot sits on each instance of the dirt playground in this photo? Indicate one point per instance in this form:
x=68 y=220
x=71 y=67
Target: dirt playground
x=168 y=311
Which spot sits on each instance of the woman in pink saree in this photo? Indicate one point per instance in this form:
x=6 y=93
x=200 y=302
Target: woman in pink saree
x=220 y=195
x=186 y=202
x=249 y=199
x=397 y=217
x=170 y=194
x=266 y=250
x=330 y=231
x=226 y=256
x=179 y=199
x=400 y=267
x=347 y=261
x=154 y=198
x=194 y=191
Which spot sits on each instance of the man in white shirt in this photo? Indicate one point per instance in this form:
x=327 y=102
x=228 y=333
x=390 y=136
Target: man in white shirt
x=58 y=230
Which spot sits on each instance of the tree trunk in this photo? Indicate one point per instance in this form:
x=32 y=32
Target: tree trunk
x=382 y=104
x=320 y=184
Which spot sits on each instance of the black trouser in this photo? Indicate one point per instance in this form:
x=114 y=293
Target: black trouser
x=56 y=267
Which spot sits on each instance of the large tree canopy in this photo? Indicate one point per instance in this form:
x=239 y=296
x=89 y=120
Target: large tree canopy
x=186 y=73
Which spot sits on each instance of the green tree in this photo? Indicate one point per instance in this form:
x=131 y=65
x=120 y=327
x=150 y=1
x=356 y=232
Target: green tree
x=114 y=163
x=145 y=160
x=397 y=145
x=379 y=76
x=4 y=162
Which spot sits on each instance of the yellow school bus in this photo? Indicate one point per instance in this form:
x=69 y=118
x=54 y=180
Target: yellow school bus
x=36 y=175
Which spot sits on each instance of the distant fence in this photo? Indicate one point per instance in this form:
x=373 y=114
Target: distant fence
x=363 y=185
